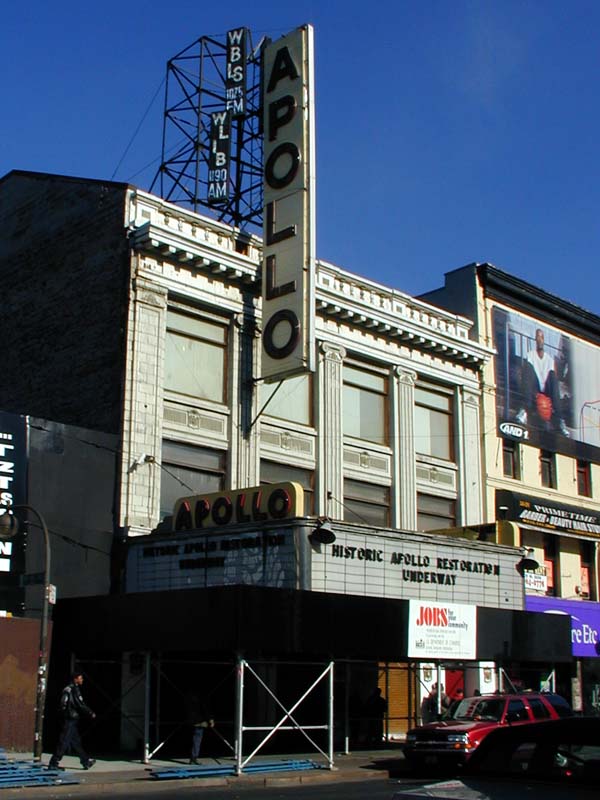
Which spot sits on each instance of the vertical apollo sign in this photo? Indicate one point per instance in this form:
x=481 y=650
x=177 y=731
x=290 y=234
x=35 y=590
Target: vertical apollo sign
x=289 y=207
x=13 y=491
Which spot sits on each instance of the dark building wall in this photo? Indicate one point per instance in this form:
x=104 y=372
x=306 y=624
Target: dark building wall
x=459 y=294
x=71 y=481
x=64 y=269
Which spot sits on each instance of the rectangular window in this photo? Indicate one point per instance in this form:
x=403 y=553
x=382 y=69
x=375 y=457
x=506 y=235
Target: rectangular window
x=435 y=512
x=548 y=469
x=272 y=472
x=586 y=580
x=195 y=357
x=365 y=405
x=584 y=478
x=188 y=470
x=366 y=503
x=292 y=400
x=434 y=422
x=511 y=459
x=550 y=563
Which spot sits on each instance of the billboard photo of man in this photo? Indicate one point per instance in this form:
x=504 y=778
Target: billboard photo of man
x=540 y=375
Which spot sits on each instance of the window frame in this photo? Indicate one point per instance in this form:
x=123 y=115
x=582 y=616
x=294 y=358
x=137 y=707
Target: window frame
x=431 y=513
x=584 y=478
x=384 y=394
x=511 y=459
x=193 y=465
x=309 y=493
x=366 y=503
x=224 y=348
x=548 y=469
x=449 y=415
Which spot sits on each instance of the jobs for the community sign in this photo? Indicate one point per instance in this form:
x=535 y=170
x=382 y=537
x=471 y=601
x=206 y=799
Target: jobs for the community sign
x=441 y=630
x=289 y=210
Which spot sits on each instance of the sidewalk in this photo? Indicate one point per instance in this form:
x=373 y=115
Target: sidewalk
x=108 y=770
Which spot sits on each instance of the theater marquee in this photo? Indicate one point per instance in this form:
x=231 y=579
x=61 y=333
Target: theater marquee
x=289 y=207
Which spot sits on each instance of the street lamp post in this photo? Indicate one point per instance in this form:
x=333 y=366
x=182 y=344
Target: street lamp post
x=9 y=527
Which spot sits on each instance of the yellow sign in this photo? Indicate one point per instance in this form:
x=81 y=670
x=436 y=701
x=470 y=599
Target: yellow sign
x=256 y=504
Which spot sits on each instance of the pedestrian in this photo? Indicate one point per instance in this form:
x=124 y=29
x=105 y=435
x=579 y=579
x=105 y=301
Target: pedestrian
x=200 y=719
x=375 y=708
x=72 y=707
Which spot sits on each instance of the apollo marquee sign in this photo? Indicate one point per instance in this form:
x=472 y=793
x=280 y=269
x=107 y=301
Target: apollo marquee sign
x=289 y=208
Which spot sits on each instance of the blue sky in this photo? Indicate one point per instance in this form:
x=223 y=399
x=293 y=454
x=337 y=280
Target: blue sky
x=448 y=131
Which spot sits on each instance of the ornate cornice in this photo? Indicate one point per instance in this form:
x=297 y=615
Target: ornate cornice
x=167 y=232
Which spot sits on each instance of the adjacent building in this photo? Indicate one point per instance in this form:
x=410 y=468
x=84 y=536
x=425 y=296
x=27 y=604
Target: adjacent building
x=541 y=445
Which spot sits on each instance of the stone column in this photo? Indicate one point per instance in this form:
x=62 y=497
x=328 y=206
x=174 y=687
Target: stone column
x=404 y=473
x=143 y=408
x=245 y=424
x=330 y=489
x=469 y=453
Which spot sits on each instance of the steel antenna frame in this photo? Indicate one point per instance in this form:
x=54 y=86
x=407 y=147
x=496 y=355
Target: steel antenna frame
x=195 y=88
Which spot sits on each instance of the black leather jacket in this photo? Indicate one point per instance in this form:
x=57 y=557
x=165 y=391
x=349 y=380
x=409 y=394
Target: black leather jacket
x=71 y=703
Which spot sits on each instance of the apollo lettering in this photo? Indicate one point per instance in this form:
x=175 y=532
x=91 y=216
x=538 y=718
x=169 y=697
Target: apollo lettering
x=280 y=170
x=224 y=509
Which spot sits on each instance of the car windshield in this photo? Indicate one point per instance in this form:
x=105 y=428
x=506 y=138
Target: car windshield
x=475 y=708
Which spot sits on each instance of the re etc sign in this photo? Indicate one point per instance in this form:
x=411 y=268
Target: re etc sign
x=289 y=212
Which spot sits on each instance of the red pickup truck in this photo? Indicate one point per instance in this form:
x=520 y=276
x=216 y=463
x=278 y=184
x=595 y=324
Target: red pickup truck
x=455 y=737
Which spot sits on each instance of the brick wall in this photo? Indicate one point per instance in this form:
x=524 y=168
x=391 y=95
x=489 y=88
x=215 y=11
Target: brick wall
x=64 y=271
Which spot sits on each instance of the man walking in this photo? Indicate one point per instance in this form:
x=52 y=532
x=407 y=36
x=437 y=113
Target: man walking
x=72 y=707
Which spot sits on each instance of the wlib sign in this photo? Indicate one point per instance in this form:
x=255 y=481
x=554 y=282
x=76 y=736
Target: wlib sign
x=289 y=211
x=219 y=158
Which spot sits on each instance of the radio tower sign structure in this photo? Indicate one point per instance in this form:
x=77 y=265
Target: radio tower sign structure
x=239 y=140
x=212 y=147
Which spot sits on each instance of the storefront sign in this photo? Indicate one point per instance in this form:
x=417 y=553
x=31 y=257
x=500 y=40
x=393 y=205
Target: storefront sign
x=585 y=621
x=191 y=560
x=257 y=504
x=418 y=566
x=13 y=491
x=441 y=630
x=289 y=211
x=550 y=516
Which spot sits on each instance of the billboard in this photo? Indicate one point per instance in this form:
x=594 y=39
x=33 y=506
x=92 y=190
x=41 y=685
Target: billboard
x=585 y=621
x=13 y=491
x=289 y=207
x=547 y=386
x=441 y=630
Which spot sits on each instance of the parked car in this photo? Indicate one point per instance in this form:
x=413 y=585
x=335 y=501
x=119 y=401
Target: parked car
x=453 y=739
x=555 y=759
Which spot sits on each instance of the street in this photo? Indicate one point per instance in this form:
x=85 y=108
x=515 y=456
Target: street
x=372 y=788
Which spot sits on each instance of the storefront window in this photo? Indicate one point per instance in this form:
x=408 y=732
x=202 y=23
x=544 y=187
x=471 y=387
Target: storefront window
x=272 y=472
x=292 y=400
x=366 y=503
x=187 y=470
x=435 y=512
x=365 y=405
x=434 y=422
x=195 y=357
